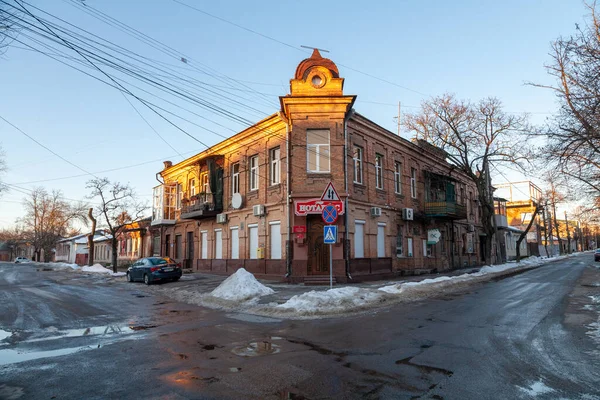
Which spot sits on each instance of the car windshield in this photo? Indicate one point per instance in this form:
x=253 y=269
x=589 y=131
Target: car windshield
x=158 y=261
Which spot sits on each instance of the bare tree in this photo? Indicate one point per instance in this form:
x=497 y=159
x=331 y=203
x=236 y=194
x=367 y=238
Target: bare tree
x=573 y=135
x=9 y=16
x=473 y=136
x=48 y=217
x=119 y=206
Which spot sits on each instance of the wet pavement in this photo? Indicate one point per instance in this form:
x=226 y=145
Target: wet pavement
x=73 y=336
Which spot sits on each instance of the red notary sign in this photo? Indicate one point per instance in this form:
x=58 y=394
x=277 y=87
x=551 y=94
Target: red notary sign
x=299 y=229
x=315 y=206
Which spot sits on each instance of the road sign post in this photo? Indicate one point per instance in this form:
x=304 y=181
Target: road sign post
x=330 y=237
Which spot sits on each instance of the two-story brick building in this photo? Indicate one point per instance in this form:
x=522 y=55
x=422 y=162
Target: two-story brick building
x=252 y=200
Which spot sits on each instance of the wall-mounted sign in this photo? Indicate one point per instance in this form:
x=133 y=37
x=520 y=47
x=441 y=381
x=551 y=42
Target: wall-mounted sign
x=299 y=229
x=433 y=236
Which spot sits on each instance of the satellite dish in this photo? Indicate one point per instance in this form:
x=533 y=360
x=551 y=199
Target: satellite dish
x=236 y=201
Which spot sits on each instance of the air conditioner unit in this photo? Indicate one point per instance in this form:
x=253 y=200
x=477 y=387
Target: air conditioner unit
x=471 y=228
x=407 y=214
x=221 y=218
x=258 y=210
x=375 y=211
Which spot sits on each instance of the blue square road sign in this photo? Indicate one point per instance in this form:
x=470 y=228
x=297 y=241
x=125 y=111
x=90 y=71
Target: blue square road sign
x=330 y=234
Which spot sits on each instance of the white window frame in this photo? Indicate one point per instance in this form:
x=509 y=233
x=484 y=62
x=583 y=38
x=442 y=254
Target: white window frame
x=204 y=244
x=398 y=177
x=379 y=171
x=218 y=244
x=381 y=240
x=357 y=156
x=318 y=149
x=235 y=250
x=235 y=178
x=205 y=183
x=274 y=172
x=362 y=223
x=253 y=255
x=275 y=241
x=179 y=196
x=192 y=186
x=253 y=172
x=409 y=247
x=413 y=182
x=400 y=235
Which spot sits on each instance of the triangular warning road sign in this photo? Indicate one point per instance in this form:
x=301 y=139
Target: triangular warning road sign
x=330 y=194
x=329 y=236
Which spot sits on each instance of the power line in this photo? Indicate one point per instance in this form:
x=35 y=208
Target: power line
x=48 y=149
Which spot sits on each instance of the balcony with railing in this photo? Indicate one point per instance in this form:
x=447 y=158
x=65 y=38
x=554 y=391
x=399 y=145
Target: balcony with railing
x=440 y=198
x=199 y=206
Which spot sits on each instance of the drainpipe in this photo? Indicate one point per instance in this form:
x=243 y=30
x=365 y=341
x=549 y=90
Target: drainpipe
x=288 y=145
x=346 y=240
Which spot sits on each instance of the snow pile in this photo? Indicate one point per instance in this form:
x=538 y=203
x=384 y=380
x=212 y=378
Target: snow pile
x=64 y=265
x=241 y=286
x=331 y=301
x=99 y=269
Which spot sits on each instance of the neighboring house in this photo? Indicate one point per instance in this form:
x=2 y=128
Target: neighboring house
x=67 y=249
x=75 y=250
x=6 y=252
x=134 y=242
x=102 y=249
x=521 y=201
x=254 y=200
x=507 y=235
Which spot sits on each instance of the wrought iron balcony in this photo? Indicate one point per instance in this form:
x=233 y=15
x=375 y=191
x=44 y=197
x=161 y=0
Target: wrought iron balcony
x=445 y=209
x=199 y=206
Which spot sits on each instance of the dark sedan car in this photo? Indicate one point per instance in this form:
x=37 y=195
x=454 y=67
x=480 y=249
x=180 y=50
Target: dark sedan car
x=597 y=255
x=152 y=269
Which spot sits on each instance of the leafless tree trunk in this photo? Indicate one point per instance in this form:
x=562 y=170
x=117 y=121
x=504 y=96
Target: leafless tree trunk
x=91 y=238
x=523 y=235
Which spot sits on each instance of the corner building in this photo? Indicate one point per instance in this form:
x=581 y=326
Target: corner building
x=242 y=203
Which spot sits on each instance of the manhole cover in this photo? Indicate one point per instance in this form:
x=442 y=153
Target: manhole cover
x=253 y=349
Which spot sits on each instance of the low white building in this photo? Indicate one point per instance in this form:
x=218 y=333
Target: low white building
x=511 y=235
x=68 y=248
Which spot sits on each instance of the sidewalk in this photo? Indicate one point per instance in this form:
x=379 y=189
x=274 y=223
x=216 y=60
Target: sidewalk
x=298 y=301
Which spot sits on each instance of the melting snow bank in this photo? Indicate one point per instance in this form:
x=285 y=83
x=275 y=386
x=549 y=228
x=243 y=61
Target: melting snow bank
x=240 y=291
x=94 y=269
x=241 y=286
x=99 y=269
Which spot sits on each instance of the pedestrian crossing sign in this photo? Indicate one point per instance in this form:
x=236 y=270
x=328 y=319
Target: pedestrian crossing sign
x=330 y=234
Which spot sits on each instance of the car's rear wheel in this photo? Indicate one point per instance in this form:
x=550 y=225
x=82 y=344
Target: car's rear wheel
x=176 y=279
x=147 y=280
x=129 y=277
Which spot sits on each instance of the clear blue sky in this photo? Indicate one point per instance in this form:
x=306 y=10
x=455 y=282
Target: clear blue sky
x=473 y=48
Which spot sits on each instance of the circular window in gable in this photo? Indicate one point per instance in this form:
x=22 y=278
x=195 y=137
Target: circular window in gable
x=318 y=80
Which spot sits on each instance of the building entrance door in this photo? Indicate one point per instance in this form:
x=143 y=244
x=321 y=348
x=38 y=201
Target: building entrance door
x=318 y=252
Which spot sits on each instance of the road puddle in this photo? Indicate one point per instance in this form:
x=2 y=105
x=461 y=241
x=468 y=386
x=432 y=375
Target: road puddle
x=101 y=336
x=256 y=349
x=105 y=330
x=11 y=356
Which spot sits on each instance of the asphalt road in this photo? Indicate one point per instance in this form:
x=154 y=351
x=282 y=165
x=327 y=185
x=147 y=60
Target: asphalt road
x=74 y=336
